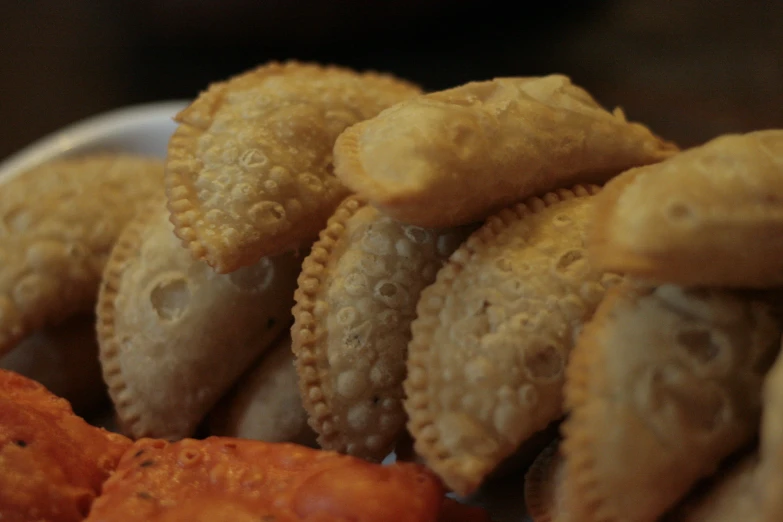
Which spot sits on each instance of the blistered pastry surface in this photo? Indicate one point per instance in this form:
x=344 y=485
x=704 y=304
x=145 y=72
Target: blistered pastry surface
x=493 y=335
x=249 y=169
x=58 y=223
x=663 y=384
x=368 y=287
x=222 y=478
x=174 y=335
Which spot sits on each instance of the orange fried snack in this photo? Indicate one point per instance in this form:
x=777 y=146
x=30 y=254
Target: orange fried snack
x=226 y=479
x=52 y=463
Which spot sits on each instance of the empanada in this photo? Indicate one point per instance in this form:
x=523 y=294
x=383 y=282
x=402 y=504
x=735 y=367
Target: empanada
x=222 y=479
x=174 y=335
x=52 y=463
x=58 y=223
x=249 y=169
x=455 y=156
x=64 y=358
x=710 y=216
x=356 y=298
x=663 y=384
x=265 y=404
x=487 y=359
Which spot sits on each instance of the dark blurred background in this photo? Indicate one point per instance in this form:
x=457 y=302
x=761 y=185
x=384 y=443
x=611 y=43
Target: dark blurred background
x=691 y=69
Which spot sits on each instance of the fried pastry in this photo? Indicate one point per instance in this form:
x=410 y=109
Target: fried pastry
x=544 y=486
x=174 y=335
x=356 y=298
x=58 y=223
x=221 y=479
x=771 y=446
x=265 y=403
x=455 y=156
x=487 y=359
x=52 y=463
x=64 y=358
x=249 y=169
x=664 y=383
x=710 y=216
x=730 y=496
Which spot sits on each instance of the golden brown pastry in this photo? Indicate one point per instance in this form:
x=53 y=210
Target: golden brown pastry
x=221 y=479
x=265 y=404
x=663 y=384
x=356 y=298
x=249 y=169
x=52 y=463
x=490 y=343
x=58 y=223
x=174 y=335
x=455 y=156
x=709 y=216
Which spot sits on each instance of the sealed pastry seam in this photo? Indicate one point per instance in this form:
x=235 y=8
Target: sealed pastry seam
x=581 y=479
x=180 y=191
x=308 y=328
x=180 y=197
x=124 y=249
x=421 y=421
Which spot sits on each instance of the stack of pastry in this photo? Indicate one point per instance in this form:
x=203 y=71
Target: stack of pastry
x=334 y=258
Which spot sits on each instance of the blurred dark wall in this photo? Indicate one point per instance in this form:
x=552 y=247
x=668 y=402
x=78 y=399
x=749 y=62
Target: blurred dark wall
x=691 y=69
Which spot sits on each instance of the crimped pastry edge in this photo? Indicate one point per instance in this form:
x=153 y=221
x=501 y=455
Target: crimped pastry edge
x=128 y=414
x=306 y=327
x=180 y=191
x=420 y=422
x=582 y=485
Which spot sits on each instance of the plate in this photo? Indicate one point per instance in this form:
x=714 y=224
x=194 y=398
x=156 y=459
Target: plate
x=139 y=129
x=146 y=129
